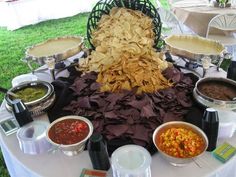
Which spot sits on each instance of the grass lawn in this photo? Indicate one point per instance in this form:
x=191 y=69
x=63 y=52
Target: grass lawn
x=14 y=43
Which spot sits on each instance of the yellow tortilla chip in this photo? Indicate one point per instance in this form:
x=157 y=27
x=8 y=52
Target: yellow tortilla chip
x=124 y=54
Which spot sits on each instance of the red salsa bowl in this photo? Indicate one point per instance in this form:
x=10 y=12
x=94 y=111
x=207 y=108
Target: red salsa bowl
x=70 y=133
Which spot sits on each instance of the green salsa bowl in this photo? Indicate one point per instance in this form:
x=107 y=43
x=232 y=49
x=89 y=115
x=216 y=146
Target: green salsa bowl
x=36 y=95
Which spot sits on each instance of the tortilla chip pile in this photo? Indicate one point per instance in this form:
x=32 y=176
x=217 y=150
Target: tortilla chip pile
x=124 y=56
x=126 y=115
x=124 y=64
x=128 y=73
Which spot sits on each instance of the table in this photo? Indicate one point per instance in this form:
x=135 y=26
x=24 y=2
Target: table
x=197 y=14
x=59 y=165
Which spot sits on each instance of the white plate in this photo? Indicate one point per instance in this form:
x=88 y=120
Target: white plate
x=23 y=78
x=227 y=123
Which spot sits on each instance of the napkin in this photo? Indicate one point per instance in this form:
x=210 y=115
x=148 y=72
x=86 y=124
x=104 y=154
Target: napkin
x=93 y=173
x=224 y=152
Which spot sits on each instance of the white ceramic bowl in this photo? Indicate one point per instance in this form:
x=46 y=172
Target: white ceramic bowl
x=227 y=123
x=179 y=124
x=71 y=149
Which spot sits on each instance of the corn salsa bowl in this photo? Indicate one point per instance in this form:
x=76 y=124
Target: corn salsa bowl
x=179 y=142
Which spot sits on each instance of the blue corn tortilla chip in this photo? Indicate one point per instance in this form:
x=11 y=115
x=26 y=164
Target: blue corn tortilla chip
x=127 y=115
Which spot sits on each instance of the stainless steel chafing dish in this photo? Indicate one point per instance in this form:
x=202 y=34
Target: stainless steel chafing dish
x=59 y=48
x=38 y=106
x=195 y=48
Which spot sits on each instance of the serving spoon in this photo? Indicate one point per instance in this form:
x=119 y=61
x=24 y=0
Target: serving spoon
x=229 y=97
x=3 y=90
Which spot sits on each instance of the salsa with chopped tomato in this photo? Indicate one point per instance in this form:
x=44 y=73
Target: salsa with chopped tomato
x=180 y=142
x=68 y=131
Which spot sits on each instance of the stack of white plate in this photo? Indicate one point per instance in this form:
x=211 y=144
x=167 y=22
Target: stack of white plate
x=227 y=123
x=23 y=78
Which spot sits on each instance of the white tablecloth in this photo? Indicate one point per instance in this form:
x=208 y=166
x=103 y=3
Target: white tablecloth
x=196 y=14
x=20 y=13
x=60 y=165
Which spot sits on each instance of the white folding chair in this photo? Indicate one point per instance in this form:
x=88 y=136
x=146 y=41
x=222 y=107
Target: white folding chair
x=233 y=3
x=158 y=3
x=225 y=23
x=170 y=23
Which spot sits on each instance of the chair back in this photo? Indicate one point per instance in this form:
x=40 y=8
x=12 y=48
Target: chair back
x=225 y=22
x=158 y=3
x=169 y=21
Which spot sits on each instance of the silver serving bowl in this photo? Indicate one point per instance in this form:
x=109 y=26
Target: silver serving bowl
x=38 y=106
x=207 y=101
x=71 y=149
x=178 y=124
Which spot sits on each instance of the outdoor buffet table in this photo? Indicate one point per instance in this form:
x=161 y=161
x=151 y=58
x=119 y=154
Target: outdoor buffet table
x=197 y=14
x=59 y=165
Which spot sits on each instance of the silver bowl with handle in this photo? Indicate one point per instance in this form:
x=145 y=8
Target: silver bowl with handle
x=38 y=106
x=69 y=149
x=208 y=101
x=195 y=48
x=59 y=48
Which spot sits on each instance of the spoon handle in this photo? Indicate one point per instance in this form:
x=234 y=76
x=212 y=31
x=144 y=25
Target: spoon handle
x=3 y=90
x=13 y=94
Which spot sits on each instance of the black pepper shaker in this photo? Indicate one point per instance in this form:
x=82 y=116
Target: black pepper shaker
x=210 y=125
x=98 y=152
x=21 y=112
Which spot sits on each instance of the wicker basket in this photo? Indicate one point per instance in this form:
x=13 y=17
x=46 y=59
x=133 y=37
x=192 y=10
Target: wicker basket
x=104 y=7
